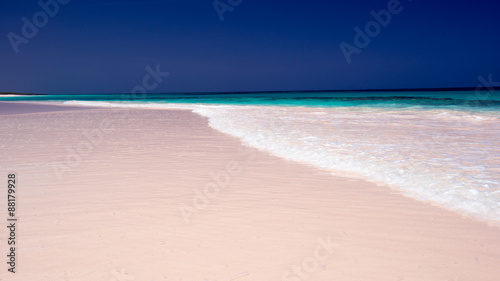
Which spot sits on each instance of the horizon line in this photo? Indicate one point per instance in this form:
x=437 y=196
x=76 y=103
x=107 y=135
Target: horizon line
x=446 y=89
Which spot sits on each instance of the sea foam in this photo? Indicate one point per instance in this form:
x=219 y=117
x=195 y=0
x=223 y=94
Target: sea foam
x=449 y=157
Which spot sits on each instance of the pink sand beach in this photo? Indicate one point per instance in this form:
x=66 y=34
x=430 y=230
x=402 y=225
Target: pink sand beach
x=143 y=194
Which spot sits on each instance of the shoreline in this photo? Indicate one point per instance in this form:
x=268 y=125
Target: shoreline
x=21 y=107
x=126 y=198
x=24 y=107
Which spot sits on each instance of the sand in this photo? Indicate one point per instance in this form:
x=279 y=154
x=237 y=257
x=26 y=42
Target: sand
x=116 y=194
x=7 y=108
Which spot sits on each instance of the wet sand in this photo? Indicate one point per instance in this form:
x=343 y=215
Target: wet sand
x=7 y=108
x=116 y=194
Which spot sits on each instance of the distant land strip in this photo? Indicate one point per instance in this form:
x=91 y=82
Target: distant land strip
x=21 y=94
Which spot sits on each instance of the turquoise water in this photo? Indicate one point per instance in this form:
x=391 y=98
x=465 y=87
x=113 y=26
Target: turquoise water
x=440 y=147
x=467 y=100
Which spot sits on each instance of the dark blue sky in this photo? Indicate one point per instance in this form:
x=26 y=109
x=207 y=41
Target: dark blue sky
x=104 y=46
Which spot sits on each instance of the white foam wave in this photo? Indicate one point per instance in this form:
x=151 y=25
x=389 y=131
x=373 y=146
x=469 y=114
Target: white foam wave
x=447 y=157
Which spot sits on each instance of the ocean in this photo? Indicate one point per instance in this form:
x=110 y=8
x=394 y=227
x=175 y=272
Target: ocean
x=437 y=146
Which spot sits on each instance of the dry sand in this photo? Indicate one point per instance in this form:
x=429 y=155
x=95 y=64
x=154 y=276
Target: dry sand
x=100 y=194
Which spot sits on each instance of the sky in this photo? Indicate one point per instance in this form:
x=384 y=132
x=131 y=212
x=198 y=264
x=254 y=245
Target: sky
x=116 y=46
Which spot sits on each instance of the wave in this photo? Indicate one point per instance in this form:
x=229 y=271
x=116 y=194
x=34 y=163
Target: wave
x=449 y=157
